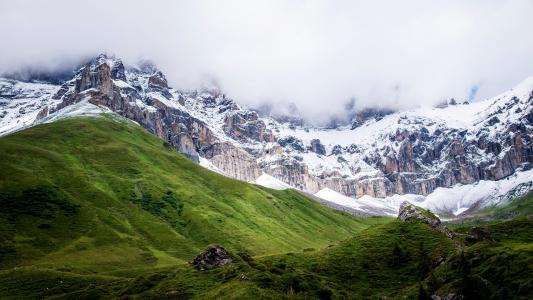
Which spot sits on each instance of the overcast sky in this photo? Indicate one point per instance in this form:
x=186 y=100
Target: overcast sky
x=317 y=54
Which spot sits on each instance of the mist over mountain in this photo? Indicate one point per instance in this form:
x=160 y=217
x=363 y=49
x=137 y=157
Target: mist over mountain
x=315 y=54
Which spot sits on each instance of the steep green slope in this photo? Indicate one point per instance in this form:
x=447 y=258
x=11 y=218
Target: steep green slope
x=100 y=194
x=519 y=207
x=99 y=208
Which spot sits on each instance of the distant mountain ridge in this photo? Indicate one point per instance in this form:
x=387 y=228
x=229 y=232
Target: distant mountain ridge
x=379 y=154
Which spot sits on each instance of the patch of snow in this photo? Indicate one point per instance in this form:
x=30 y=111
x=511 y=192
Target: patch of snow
x=460 y=210
x=270 y=182
x=338 y=198
x=454 y=200
x=122 y=84
x=80 y=109
x=204 y=162
x=459 y=197
x=368 y=205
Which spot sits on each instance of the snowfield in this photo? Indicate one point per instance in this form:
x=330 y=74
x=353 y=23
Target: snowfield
x=270 y=182
x=453 y=201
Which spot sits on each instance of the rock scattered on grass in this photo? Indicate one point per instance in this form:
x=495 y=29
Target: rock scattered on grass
x=213 y=257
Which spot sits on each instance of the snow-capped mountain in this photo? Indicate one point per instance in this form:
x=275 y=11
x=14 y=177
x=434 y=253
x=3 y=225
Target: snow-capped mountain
x=378 y=158
x=21 y=102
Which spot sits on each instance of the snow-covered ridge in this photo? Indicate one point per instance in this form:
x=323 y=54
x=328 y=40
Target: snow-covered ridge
x=452 y=201
x=380 y=160
x=80 y=109
x=20 y=103
x=376 y=134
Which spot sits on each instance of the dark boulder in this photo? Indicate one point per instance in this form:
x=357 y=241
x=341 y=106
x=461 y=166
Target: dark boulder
x=480 y=234
x=213 y=257
x=493 y=121
x=317 y=147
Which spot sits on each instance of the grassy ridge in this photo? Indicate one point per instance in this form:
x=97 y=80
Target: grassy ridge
x=102 y=194
x=99 y=208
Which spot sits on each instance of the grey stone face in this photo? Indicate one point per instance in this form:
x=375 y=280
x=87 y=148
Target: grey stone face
x=246 y=125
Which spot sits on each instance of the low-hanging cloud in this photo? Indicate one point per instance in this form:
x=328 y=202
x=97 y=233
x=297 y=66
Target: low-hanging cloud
x=315 y=54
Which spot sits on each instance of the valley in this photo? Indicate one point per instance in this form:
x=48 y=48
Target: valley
x=98 y=207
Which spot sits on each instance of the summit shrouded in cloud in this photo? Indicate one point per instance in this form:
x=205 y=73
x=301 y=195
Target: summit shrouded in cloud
x=315 y=54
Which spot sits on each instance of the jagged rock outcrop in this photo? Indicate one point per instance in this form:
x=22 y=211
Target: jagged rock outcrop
x=409 y=211
x=245 y=125
x=292 y=143
x=211 y=258
x=293 y=173
x=97 y=83
x=366 y=114
x=317 y=147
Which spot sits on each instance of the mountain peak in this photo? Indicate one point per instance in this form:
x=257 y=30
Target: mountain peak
x=383 y=154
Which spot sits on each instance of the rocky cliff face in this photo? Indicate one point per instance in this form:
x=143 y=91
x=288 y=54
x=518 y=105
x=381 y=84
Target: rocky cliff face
x=143 y=95
x=292 y=172
x=232 y=160
x=101 y=82
x=245 y=126
x=415 y=152
x=380 y=153
x=426 y=161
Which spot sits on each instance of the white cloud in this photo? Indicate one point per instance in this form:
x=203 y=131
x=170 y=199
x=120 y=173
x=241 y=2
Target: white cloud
x=317 y=54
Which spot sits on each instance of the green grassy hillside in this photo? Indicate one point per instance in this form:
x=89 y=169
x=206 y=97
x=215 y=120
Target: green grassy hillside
x=98 y=208
x=519 y=207
x=396 y=260
x=100 y=194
